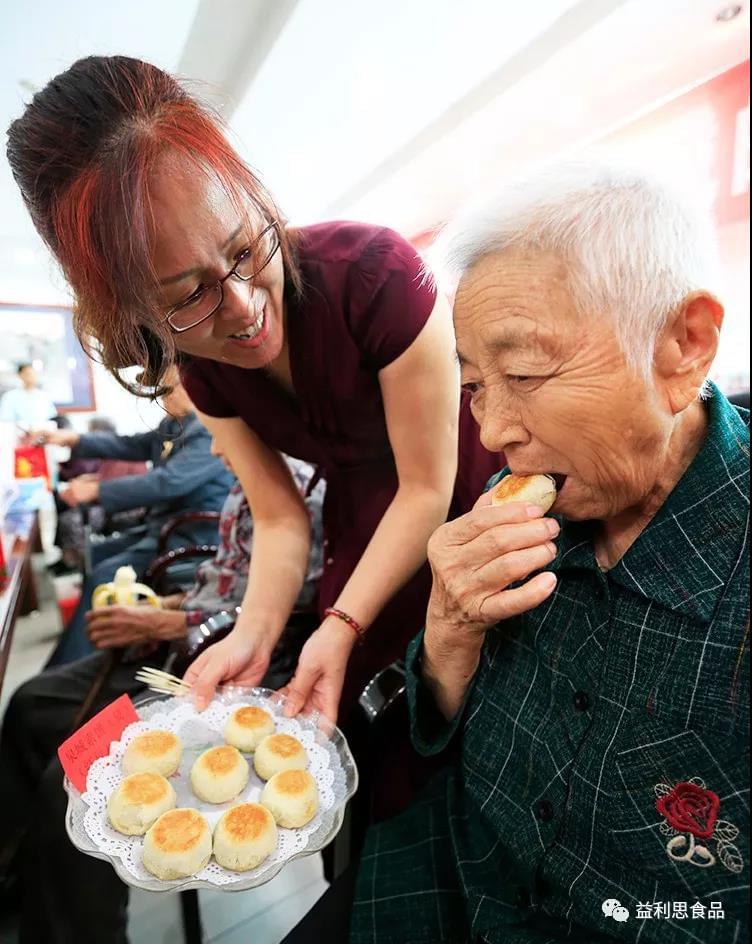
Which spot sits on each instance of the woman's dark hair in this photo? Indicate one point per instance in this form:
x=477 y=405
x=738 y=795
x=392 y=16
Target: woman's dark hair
x=83 y=154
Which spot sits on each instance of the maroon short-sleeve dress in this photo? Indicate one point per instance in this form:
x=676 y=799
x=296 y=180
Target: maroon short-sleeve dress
x=365 y=300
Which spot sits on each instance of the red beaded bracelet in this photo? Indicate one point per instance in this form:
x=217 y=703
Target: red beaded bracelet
x=354 y=625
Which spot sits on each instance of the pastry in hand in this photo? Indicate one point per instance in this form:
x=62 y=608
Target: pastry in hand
x=531 y=489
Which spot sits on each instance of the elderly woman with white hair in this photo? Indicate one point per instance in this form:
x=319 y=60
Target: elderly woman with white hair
x=587 y=671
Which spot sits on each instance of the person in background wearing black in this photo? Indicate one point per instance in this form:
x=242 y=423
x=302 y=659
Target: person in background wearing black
x=70 y=535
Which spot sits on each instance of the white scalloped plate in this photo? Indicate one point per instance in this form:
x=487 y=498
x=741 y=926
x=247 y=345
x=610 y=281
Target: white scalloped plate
x=330 y=762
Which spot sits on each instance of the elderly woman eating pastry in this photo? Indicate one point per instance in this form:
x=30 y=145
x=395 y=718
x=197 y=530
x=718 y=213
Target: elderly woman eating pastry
x=589 y=665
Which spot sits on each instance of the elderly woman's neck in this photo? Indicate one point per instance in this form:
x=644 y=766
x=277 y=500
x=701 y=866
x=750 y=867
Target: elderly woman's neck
x=618 y=534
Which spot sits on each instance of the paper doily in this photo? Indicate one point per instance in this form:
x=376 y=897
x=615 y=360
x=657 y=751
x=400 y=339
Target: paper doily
x=330 y=766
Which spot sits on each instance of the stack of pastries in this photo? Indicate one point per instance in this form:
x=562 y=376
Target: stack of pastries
x=179 y=842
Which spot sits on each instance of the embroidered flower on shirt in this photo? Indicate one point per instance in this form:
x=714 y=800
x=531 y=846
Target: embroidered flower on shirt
x=690 y=809
x=691 y=814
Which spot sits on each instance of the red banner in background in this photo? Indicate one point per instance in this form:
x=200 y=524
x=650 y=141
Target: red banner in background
x=729 y=96
x=711 y=119
x=31 y=463
x=702 y=137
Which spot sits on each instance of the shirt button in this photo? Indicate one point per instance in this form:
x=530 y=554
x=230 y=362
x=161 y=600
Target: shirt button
x=544 y=810
x=581 y=701
x=329 y=561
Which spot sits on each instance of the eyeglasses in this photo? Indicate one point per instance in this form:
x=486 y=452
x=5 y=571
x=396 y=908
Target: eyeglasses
x=205 y=301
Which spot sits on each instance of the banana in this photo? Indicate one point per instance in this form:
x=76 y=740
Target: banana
x=123 y=591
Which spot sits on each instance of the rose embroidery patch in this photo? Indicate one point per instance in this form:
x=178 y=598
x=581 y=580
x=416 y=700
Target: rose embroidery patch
x=690 y=812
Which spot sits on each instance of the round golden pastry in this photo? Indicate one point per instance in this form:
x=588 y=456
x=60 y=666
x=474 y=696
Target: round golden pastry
x=244 y=836
x=179 y=844
x=291 y=797
x=156 y=752
x=532 y=489
x=138 y=801
x=247 y=727
x=279 y=752
x=219 y=774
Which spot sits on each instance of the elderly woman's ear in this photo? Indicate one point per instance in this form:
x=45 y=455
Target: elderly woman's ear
x=686 y=347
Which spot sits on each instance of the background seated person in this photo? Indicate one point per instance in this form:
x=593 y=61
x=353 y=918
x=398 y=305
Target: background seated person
x=220 y=584
x=71 y=468
x=591 y=667
x=41 y=714
x=184 y=477
x=70 y=536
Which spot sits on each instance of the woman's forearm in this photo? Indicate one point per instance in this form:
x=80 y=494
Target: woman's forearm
x=278 y=567
x=395 y=552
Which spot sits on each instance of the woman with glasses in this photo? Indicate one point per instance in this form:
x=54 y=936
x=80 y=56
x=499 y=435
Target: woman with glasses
x=327 y=342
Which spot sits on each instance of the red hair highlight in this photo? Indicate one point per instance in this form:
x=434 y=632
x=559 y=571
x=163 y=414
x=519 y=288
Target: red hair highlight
x=85 y=154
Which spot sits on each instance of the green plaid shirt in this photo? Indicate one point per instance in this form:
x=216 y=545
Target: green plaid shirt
x=626 y=691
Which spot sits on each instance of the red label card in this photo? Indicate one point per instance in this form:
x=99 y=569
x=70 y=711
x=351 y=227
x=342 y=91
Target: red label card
x=92 y=740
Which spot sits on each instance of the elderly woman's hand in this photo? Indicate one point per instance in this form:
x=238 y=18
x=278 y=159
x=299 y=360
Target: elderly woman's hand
x=474 y=560
x=117 y=626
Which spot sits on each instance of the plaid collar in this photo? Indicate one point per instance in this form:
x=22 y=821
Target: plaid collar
x=683 y=558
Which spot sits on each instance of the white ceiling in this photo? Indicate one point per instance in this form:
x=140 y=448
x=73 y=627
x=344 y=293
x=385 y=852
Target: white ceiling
x=392 y=112
x=339 y=95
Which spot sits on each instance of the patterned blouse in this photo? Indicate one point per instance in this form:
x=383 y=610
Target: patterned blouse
x=600 y=786
x=220 y=582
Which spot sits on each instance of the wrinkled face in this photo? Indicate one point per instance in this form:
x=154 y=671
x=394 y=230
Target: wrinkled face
x=551 y=388
x=199 y=238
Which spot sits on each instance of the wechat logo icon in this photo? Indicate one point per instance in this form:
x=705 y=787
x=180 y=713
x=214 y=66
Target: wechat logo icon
x=613 y=908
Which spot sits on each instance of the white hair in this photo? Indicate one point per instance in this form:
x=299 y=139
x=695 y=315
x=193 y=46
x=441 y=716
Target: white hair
x=633 y=248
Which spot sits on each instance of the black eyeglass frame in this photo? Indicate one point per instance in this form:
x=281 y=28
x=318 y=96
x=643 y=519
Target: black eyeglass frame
x=274 y=225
